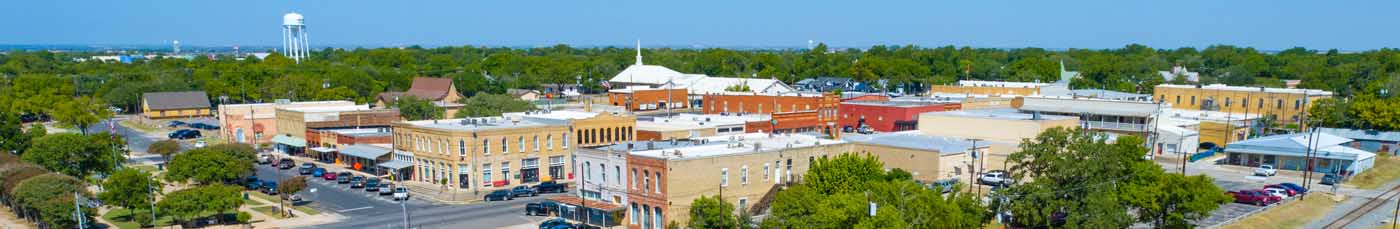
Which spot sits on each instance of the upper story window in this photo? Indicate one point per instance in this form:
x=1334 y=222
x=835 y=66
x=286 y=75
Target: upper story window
x=724 y=177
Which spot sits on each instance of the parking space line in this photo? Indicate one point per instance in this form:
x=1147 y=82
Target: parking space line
x=354 y=209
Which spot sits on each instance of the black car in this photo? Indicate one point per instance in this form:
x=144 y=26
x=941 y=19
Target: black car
x=307 y=168
x=203 y=126
x=357 y=182
x=342 y=177
x=372 y=185
x=286 y=163
x=556 y=223
x=541 y=208
x=184 y=134
x=499 y=195
x=551 y=187
x=523 y=191
x=269 y=187
x=174 y=124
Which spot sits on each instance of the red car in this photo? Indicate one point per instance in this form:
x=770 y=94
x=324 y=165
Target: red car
x=1254 y=196
x=328 y=176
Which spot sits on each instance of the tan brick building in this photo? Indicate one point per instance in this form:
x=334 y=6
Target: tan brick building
x=485 y=154
x=256 y=123
x=186 y=104
x=990 y=88
x=1287 y=105
x=294 y=122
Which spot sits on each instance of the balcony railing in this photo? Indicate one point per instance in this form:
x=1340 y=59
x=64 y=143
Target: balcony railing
x=1134 y=127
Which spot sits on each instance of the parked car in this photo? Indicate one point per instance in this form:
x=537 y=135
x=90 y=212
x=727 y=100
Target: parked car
x=372 y=184
x=294 y=198
x=307 y=168
x=200 y=144
x=269 y=187
x=357 y=182
x=556 y=223
x=329 y=176
x=1295 y=187
x=174 y=124
x=342 y=177
x=523 y=191
x=551 y=187
x=400 y=193
x=318 y=172
x=995 y=177
x=1280 y=193
x=499 y=195
x=865 y=130
x=1286 y=190
x=286 y=163
x=1265 y=170
x=386 y=189
x=945 y=185
x=1254 y=196
x=264 y=159
x=253 y=183
x=203 y=126
x=183 y=134
x=1331 y=179
x=542 y=208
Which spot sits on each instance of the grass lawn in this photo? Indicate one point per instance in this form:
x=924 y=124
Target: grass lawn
x=262 y=196
x=146 y=168
x=1294 y=214
x=306 y=209
x=1386 y=169
x=139 y=127
x=121 y=218
x=267 y=210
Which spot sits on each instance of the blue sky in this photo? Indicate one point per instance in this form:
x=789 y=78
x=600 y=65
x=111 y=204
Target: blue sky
x=1270 y=25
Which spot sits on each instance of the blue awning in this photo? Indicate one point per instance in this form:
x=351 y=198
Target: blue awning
x=289 y=140
x=395 y=164
x=364 y=151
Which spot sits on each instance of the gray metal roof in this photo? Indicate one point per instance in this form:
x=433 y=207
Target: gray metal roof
x=395 y=164
x=915 y=140
x=176 y=100
x=1089 y=106
x=1107 y=94
x=1369 y=135
x=1327 y=146
x=364 y=151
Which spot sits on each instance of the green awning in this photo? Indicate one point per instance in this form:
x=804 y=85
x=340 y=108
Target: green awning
x=289 y=140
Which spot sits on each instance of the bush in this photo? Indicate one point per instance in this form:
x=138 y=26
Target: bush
x=244 y=217
x=143 y=219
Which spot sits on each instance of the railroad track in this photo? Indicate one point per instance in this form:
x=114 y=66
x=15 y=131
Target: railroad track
x=1369 y=206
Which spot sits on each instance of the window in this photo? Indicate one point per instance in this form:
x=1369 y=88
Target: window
x=587 y=168
x=485 y=147
x=744 y=175
x=617 y=173
x=522 y=143
x=646 y=180
x=1297 y=103
x=743 y=204
x=724 y=177
x=1227 y=101
x=486 y=173
x=565 y=143
x=634 y=178
x=765 y=171
x=537 y=142
x=1178 y=99
x=603 y=168
x=1244 y=103
x=1279 y=105
x=505 y=147
x=635 y=213
x=1193 y=100
x=505 y=170
x=658 y=182
x=462 y=147
x=549 y=141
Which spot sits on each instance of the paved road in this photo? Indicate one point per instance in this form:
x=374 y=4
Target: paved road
x=364 y=209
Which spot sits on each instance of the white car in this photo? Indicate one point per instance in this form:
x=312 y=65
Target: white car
x=199 y=144
x=1280 y=193
x=995 y=177
x=400 y=193
x=1265 y=170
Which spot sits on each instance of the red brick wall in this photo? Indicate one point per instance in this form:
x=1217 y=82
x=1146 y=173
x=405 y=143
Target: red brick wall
x=865 y=98
x=640 y=195
x=882 y=118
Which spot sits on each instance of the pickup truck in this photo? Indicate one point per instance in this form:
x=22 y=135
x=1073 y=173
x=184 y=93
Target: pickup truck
x=1254 y=196
x=1265 y=170
x=551 y=187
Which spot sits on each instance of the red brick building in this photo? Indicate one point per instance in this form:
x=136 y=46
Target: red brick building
x=647 y=195
x=648 y=99
x=866 y=98
x=793 y=122
x=888 y=116
x=793 y=113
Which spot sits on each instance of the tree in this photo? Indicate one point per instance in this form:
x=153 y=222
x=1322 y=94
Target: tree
x=12 y=137
x=711 y=212
x=1107 y=179
x=413 y=108
x=80 y=112
x=51 y=195
x=486 y=105
x=194 y=202
x=73 y=154
x=292 y=185
x=164 y=147
x=902 y=203
x=211 y=164
x=129 y=188
x=845 y=173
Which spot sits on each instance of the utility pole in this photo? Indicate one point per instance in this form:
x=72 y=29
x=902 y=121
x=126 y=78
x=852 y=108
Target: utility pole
x=78 y=210
x=982 y=165
x=403 y=204
x=153 y=199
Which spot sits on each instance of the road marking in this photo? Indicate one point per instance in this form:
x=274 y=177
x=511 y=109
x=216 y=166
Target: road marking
x=354 y=209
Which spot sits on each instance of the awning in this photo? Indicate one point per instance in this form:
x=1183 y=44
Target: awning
x=364 y=151
x=289 y=140
x=575 y=201
x=323 y=149
x=395 y=164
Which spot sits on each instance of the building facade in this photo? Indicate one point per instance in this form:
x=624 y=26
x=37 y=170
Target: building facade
x=165 y=105
x=888 y=116
x=990 y=88
x=485 y=154
x=592 y=128
x=1288 y=106
x=256 y=123
x=648 y=99
x=1003 y=125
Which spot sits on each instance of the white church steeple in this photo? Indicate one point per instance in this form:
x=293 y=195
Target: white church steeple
x=639 y=51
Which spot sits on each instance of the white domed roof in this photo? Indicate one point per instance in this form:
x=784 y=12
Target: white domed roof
x=292 y=19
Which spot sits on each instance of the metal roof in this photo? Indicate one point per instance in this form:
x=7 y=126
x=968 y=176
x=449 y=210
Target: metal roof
x=1295 y=145
x=1089 y=106
x=176 y=100
x=916 y=140
x=364 y=151
x=1369 y=135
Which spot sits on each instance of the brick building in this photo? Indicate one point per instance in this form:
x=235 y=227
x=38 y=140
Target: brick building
x=794 y=112
x=647 y=99
x=293 y=123
x=1287 y=106
x=889 y=116
x=256 y=123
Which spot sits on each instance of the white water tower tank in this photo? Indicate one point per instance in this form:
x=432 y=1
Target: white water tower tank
x=295 y=44
x=293 y=19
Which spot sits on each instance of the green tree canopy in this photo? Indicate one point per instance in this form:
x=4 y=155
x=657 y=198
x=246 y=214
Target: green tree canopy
x=820 y=203
x=73 y=154
x=165 y=148
x=211 y=164
x=130 y=188
x=711 y=212
x=486 y=105
x=292 y=185
x=193 y=202
x=413 y=108
x=52 y=195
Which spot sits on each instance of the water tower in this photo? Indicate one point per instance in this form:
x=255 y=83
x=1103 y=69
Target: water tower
x=294 y=41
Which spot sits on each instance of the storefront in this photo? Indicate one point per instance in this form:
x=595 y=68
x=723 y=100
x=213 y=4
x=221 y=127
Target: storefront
x=589 y=212
x=529 y=170
x=289 y=144
x=364 y=158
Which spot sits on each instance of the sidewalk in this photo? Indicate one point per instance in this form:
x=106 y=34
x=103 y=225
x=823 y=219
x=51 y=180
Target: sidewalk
x=418 y=189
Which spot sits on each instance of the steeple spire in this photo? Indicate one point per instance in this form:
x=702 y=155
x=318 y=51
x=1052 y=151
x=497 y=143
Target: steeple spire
x=639 y=51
